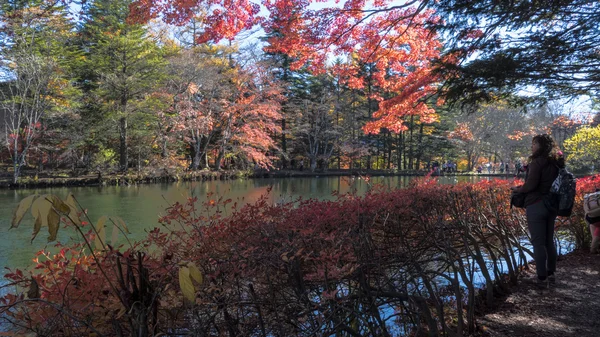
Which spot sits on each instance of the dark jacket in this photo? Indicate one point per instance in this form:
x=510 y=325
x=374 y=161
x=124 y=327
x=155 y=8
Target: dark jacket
x=541 y=173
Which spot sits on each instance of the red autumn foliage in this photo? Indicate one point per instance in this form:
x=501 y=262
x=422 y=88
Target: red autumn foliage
x=394 y=44
x=392 y=40
x=388 y=262
x=224 y=108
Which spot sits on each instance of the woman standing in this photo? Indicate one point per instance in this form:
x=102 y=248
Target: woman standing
x=543 y=167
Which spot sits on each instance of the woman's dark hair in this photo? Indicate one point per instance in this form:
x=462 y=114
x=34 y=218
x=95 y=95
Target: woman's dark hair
x=548 y=149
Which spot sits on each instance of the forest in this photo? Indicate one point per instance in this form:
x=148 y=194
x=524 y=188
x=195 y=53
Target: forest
x=159 y=87
x=112 y=86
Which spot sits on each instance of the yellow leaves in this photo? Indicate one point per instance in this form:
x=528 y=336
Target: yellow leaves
x=114 y=236
x=195 y=273
x=53 y=220
x=24 y=205
x=428 y=130
x=118 y=226
x=37 y=225
x=583 y=148
x=188 y=275
x=100 y=233
x=73 y=216
x=40 y=209
x=185 y=283
x=58 y=204
x=45 y=209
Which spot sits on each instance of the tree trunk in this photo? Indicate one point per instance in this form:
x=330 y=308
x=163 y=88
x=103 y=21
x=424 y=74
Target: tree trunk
x=313 y=164
x=16 y=172
x=219 y=160
x=196 y=155
x=389 y=149
x=419 y=147
x=399 y=150
x=411 y=154
x=123 y=160
x=139 y=161
x=165 y=152
x=377 y=154
x=283 y=145
x=16 y=161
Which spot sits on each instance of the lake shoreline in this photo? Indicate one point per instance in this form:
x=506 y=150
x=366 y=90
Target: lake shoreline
x=135 y=178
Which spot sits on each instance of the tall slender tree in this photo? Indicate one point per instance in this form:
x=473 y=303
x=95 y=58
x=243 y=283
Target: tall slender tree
x=36 y=61
x=126 y=65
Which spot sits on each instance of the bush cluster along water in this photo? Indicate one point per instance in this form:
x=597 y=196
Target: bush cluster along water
x=386 y=263
x=141 y=205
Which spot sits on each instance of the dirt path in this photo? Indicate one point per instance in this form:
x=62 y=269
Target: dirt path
x=571 y=308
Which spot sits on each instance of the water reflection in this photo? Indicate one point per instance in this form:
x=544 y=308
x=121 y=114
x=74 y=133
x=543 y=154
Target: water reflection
x=141 y=205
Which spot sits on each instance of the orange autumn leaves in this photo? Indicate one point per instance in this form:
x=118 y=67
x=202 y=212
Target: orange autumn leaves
x=224 y=18
x=394 y=45
x=393 y=42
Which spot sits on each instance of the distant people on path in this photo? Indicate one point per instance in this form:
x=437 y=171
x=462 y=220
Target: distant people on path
x=435 y=167
x=542 y=170
x=479 y=169
x=518 y=168
x=591 y=207
x=449 y=167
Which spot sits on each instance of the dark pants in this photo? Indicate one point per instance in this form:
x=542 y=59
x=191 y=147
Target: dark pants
x=541 y=227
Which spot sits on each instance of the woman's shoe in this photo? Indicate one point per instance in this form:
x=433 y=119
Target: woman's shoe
x=537 y=282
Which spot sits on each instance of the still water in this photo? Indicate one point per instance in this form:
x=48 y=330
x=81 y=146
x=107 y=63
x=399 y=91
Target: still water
x=141 y=205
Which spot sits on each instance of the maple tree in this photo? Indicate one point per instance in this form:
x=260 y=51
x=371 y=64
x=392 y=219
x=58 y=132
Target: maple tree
x=379 y=100
x=395 y=41
x=248 y=126
x=388 y=58
x=221 y=107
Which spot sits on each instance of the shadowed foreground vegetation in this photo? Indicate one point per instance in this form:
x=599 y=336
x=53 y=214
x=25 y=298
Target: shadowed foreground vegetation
x=416 y=261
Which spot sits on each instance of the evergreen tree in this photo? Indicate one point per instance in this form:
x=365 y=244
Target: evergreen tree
x=123 y=67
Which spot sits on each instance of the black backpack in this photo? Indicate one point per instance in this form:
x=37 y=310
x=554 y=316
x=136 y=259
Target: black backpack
x=561 y=197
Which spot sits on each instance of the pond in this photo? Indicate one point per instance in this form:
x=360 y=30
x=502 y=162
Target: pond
x=141 y=205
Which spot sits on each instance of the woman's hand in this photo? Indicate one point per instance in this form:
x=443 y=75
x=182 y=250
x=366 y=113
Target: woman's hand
x=515 y=188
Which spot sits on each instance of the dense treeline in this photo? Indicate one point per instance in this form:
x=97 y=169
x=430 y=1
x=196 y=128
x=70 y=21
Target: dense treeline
x=404 y=262
x=97 y=92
